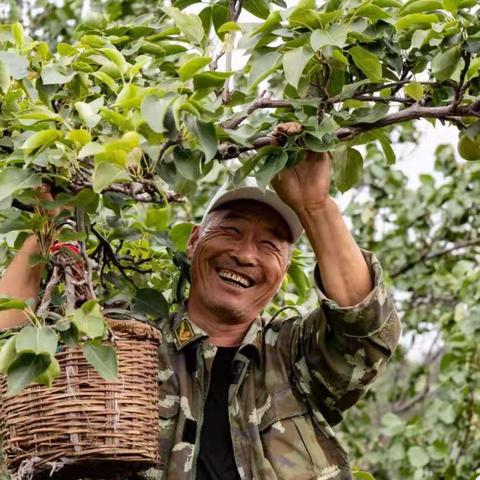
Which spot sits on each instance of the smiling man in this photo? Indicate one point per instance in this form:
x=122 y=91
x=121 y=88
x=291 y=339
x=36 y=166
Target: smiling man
x=245 y=398
x=240 y=397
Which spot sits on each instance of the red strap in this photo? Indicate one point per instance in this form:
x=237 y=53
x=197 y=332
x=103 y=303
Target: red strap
x=70 y=246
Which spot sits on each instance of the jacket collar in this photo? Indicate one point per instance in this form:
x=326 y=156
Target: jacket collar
x=186 y=332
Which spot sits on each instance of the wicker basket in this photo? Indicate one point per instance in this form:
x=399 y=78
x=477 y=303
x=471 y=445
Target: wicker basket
x=84 y=426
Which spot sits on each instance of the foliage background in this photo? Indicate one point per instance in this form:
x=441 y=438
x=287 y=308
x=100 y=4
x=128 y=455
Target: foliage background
x=421 y=420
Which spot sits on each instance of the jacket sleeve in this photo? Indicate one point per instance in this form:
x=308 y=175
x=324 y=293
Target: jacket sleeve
x=337 y=352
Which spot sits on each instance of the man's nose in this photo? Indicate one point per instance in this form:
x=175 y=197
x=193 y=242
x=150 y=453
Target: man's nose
x=246 y=254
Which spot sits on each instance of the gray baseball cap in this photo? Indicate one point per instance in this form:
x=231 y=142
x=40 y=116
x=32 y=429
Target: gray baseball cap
x=269 y=197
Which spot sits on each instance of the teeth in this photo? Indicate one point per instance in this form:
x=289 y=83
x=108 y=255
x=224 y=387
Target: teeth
x=227 y=275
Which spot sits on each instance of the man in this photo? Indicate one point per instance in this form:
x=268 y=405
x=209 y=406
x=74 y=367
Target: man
x=243 y=398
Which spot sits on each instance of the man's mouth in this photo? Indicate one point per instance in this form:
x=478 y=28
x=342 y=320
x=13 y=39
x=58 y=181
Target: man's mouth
x=236 y=279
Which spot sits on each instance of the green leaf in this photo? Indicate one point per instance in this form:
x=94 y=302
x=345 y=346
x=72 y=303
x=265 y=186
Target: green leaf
x=51 y=76
x=300 y=279
x=414 y=90
x=50 y=374
x=190 y=25
x=157 y=218
x=41 y=140
x=103 y=358
x=130 y=96
x=259 y=8
x=419 y=6
x=445 y=63
x=15 y=179
x=66 y=50
x=387 y=148
x=360 y=475
x=367 y=62
x=179 y=234
x=107 y=80
x=261 y=66
x=372 y=12
x=294 y=63
x=79 y=136
x=190 y=67
x=18 y=35
x=36 y=340
x=88 y=112
x=4 y=77
x=347 y=168
x=154 y=110
x=89 y=320
x=336 y=36
x=210 y=79
x=474 y=69
x=12 y=304
x=229 y=27
x=387 y=3
x=150 y=302
x=116 y=58
x=24 y=370
x=452 y=5
x=16 y=64
x=106 y=173
x=273 y=161
x=418 y=456
x=416 y=20
x=207 y=137
x=8 y=354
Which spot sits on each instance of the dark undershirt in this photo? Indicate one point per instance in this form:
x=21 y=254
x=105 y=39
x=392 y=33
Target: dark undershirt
x=216 y=460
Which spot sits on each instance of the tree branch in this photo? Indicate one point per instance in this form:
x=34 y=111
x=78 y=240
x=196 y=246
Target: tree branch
x=413 y=112
x=264 y=100
x=143 y=190
x=426 y=256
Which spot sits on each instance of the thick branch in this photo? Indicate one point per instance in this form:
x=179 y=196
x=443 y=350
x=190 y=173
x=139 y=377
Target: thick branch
x=414 y=112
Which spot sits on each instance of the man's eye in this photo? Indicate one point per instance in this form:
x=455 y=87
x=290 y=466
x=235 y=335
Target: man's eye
x=270 y=244
x=231 y=229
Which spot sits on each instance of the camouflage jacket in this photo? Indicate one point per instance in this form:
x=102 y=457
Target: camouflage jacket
x=291 y=381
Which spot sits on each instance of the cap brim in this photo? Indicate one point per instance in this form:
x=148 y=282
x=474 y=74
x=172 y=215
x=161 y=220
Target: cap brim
x=268 y=197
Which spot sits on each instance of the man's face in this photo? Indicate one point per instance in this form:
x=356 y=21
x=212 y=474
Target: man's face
x=239 y=258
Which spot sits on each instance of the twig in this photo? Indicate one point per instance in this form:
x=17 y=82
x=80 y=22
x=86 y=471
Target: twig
x=404 y=407
x=109 y=254
x=139 y=191
x=380 y=86
x=81 y=227
x=461 y=87
x=47 y=295
x=426 y=256
x=264 y=100
x=372 y=98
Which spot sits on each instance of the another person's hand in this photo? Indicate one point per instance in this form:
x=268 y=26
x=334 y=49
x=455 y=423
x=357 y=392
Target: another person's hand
x=306 y=185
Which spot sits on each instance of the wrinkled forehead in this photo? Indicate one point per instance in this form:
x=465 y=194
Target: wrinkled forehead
x=255 y=212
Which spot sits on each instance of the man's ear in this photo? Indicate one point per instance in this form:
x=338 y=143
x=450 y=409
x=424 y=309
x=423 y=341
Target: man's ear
x=192 y=241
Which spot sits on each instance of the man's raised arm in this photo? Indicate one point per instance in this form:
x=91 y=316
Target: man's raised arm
x=338 y=350
x=305 y=187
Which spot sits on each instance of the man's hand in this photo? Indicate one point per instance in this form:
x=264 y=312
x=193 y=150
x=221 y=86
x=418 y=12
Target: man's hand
x=306 y=185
